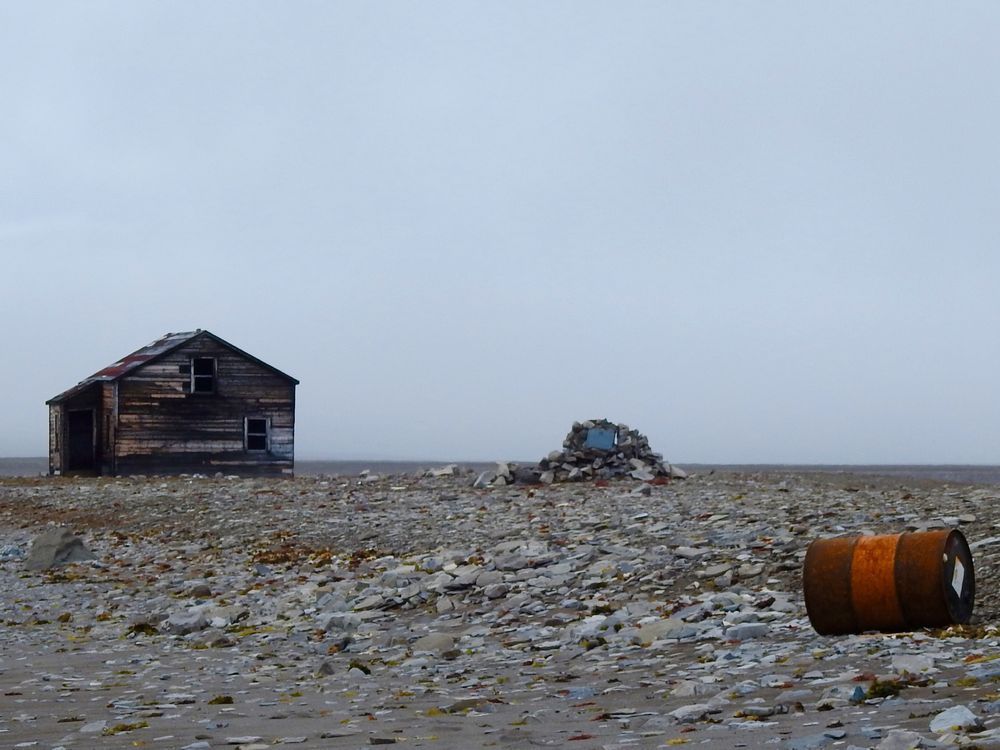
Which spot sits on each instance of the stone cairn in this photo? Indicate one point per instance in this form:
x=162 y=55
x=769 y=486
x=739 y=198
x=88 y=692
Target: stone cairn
x=595 y=449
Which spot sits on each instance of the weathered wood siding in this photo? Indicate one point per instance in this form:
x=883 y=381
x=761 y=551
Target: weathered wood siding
x=106 y=428
x=161 y=427
x=55 y=438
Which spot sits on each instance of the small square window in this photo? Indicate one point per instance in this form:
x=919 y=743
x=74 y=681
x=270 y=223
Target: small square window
x=203 y=375
x=257 y=433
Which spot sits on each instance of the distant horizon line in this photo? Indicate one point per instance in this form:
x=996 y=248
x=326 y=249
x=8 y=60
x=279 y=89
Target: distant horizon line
x=529 y=461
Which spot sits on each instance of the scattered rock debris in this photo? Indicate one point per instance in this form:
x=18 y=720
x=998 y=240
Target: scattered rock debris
x=331 y=613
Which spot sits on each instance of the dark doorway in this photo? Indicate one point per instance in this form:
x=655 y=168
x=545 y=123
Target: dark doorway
x=81 y=440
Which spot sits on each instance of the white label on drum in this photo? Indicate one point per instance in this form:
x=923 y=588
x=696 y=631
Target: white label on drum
x=958 y=577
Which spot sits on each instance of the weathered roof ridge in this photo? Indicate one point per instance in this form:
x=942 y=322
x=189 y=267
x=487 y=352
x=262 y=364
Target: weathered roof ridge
x=163 y=345
x=129 y=362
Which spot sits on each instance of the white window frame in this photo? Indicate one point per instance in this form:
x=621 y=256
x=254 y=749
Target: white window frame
x=266 y=433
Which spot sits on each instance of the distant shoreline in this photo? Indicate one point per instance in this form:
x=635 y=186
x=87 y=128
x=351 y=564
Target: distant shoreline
x=956 y=473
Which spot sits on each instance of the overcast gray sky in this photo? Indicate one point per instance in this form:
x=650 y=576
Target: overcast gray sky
x=755 y=231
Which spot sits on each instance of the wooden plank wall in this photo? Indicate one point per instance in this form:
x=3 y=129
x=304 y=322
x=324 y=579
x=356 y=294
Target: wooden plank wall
x=162 y=427
x=55 y=438
x=106 y=428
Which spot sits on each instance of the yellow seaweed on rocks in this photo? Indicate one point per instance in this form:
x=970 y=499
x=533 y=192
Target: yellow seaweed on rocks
x=980 y=658
x=966 y=631
x=243 y=632
x=124 y=727
x=885 y=688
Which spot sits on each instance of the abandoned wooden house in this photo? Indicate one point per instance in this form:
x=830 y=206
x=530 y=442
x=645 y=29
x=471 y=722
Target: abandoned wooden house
x=188 y=402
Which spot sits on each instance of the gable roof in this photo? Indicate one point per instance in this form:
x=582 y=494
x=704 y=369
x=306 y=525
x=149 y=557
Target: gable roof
x=151 y=352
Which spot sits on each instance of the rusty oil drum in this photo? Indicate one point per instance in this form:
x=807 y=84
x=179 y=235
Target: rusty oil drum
x=889 y=583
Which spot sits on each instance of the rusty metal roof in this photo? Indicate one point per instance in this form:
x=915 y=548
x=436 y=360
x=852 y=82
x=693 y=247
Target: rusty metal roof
x=140 y=356
x=166 y=343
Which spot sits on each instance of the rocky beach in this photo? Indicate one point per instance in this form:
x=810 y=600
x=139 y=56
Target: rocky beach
x=420 y=611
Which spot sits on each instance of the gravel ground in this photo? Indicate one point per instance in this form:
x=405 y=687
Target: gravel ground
x=346 y=612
